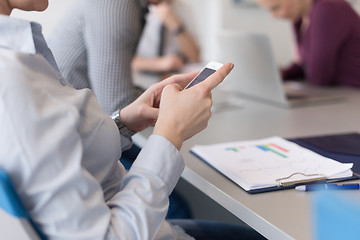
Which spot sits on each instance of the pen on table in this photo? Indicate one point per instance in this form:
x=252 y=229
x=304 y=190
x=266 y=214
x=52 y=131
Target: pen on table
x=328 y=186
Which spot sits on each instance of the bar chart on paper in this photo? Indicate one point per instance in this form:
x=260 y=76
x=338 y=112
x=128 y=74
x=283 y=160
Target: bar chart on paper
x=261 y=163
x=271 y=147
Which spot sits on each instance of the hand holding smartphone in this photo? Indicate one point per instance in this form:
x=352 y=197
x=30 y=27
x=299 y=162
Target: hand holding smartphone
x=209 y=69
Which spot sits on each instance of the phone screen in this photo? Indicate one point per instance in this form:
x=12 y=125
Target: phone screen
x=205 y=73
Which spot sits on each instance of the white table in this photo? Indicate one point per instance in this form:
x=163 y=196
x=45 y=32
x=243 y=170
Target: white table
x=284 y=214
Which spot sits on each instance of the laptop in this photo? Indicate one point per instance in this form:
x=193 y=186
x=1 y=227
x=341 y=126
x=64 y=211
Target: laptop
x=256 y=74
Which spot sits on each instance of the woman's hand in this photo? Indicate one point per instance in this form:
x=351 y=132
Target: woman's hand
x=185 y=113
x=182 y=114
x=171 y=62
x=167 y=15
x=144 y=111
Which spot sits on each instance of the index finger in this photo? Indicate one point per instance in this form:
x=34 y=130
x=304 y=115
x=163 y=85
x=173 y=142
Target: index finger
x=217 y=77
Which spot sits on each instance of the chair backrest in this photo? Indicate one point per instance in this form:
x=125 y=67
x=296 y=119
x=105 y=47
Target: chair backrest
x=336 y=215
x=15 y=221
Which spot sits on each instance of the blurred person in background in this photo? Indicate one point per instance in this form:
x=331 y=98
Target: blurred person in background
x=165 y=45
x=327 y=34
x=94 y=45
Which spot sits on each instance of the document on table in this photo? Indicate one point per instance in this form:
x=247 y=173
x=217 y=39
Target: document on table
x=270 y=162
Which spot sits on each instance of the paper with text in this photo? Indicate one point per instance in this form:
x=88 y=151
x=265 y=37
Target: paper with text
x=258 y=164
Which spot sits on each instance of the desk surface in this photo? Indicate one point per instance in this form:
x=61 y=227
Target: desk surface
x=284 y=214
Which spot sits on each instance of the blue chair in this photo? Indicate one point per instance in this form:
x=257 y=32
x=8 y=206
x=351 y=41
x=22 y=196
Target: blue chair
x=336 y=215
x=15 y=221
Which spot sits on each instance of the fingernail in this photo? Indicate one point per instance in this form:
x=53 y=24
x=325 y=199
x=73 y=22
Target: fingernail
x=231 y=66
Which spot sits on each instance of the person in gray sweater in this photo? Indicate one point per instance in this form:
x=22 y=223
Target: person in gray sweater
x=94 y=45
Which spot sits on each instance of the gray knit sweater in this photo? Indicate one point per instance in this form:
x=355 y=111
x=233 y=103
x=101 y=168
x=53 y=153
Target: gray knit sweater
x=94 y=45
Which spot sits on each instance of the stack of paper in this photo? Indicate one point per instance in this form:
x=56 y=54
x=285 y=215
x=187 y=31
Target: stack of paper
x=270 y=162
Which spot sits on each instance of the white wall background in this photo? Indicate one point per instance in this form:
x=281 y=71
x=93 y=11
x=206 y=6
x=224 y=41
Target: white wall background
x=204 y=19
x=212 y=16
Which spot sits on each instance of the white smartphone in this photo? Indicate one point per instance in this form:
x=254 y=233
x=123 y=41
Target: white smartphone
x=209 y=69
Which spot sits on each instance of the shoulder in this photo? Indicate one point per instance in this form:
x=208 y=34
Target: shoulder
x=111 y=5
x=111 y=13
x=335 y=13
x=13 y=66
x=331 y=8
x=20 y=67
x=29 y=80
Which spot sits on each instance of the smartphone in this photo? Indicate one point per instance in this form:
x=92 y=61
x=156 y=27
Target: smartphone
x=209 y=69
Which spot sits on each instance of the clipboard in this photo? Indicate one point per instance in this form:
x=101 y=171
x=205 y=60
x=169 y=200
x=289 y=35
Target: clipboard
x=308 y=143
x=344 y=147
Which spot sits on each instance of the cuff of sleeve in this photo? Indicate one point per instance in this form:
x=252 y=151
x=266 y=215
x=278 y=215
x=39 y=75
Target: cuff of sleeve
x=126 y=142
x=292 y=72
x=162 y=158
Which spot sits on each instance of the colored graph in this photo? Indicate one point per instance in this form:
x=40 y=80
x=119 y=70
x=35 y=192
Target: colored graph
x=235 y=149
x=274 y=149
x=271 y=147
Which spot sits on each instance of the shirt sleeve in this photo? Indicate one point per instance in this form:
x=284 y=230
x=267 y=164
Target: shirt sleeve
x=328 y=31
x=143 y=199
x=63 y=160
x=111 y=33
x=293 y=72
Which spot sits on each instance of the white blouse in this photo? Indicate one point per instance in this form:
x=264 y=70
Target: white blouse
x=62 y=151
